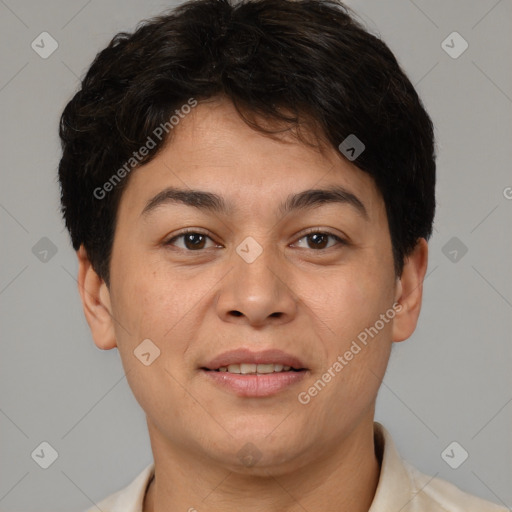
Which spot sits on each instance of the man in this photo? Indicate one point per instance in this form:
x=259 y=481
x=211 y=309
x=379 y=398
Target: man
x=250 y=189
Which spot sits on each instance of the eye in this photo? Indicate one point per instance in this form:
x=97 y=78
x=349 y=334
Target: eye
x=190 y=240
x=318 y=240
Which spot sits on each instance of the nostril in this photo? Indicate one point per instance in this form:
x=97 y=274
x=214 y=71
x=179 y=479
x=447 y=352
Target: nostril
x=236 y=313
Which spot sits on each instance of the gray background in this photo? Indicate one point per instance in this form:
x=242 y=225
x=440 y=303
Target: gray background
x=450 y=382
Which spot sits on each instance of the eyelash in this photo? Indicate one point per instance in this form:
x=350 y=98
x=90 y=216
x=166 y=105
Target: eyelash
x=312 y=231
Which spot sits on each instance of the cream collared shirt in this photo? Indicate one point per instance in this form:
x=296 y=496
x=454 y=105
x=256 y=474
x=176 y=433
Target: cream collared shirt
x=401 y=488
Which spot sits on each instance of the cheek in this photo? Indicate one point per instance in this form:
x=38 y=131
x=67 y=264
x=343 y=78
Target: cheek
x=153 y=307
x=350 y=301
x=162 y=305
x=158 y=308
x=147 y=300
x=357 y=352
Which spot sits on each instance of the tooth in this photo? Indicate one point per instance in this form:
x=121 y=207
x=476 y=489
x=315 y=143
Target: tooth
x=265 y=368
x=252 y=368
x=248 y=368
x=234 y=368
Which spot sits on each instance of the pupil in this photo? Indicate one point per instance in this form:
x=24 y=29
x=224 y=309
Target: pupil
x=189 y=239
x=315 y=237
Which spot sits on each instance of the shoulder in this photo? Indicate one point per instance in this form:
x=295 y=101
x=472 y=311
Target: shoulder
x=402 y=487
x=434 y=493
x=130 y=498
x=107 y=504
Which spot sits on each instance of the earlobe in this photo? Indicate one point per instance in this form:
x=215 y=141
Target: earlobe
x=409 y=291
x=96 y=303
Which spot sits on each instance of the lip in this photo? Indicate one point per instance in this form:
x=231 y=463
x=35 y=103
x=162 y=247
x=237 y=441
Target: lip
x=247 y=356
x=255 y=386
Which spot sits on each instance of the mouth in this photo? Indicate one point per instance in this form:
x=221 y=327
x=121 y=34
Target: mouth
x=254 y=374
x=255 y=369
x=243 y=361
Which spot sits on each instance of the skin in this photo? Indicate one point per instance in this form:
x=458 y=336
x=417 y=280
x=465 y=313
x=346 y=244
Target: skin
x=308 y=301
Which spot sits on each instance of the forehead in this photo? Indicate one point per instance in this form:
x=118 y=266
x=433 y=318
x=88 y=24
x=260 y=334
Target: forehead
x=213 y=149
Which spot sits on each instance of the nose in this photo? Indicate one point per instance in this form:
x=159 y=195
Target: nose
x=257 y=292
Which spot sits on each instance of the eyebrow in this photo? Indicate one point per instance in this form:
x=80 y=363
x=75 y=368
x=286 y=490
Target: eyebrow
x=207 y=201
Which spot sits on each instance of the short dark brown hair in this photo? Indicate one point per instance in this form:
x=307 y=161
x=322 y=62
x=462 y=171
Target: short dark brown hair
x=284 y=60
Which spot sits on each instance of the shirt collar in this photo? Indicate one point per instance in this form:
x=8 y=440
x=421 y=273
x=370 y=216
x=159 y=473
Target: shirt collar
x=131 y=498
x=394 y=487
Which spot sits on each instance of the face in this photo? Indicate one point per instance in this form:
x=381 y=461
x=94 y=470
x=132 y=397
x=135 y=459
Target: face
x=268 y=273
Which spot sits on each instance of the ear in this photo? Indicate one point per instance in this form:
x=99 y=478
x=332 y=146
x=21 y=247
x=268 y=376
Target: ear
x=96 y=303
x=409 y=292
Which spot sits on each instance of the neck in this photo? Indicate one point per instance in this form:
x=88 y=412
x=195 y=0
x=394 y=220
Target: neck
x=343 y=480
